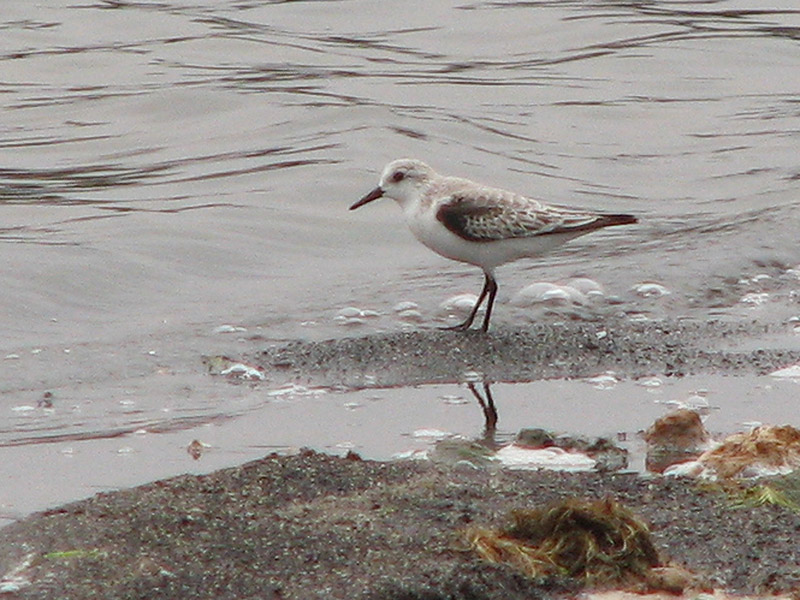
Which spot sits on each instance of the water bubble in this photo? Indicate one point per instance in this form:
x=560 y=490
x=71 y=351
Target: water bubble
x=586 y=286
x=754 y=299
x=405 y=305
x=460 y=303
x=543 y=292
x=603 y=381
x=650 y=382
x=349 y=322
x=650 y=290
x=350 y=316
x=411 y=316
x=228 y=329
x=350 y=312
x=242 y=371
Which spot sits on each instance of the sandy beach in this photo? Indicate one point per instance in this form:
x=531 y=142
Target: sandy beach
x=316 y=526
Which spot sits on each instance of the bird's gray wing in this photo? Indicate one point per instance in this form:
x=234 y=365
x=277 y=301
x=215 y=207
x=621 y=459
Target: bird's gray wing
x=484 y=218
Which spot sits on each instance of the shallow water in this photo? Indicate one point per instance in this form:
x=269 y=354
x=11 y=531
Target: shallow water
x=177 y=167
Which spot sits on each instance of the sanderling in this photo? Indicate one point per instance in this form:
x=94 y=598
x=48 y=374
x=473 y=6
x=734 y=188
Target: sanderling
x=483 y=226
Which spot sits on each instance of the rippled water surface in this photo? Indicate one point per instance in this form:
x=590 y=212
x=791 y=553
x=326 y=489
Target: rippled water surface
x=167 y=168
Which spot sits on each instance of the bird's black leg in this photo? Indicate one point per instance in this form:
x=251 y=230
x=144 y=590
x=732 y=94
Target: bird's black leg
x=487 y=405
x=489 y=414
x=492 y=285
x=466 y=324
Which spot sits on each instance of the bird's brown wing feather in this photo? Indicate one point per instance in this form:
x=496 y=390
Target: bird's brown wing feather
x=479 y=218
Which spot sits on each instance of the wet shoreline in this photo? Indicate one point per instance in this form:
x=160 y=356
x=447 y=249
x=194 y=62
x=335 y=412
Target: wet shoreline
x=316 y=526
x=546 y=351
x=312 y=525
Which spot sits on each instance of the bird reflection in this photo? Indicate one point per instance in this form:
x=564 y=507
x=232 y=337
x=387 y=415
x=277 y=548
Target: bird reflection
x=489 y=412
x=532 y=447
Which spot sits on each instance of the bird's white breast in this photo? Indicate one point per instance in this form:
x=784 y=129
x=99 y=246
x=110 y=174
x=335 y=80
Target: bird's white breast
x=432 y=233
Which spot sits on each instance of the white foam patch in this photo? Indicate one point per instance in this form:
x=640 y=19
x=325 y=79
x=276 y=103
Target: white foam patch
x=543 y=292
x=557 y=459
x=460 y=303
x=649 y=289
x=792 y=372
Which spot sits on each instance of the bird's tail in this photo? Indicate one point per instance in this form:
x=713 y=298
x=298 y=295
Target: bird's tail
x=612 y=220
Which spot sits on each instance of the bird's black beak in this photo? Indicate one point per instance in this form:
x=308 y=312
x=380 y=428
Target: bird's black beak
x=373 y=195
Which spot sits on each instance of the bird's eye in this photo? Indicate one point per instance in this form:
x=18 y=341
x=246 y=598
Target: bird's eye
x=398 y=176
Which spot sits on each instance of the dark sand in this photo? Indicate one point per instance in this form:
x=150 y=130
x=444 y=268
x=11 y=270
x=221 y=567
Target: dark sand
x=314 y=526
x=543 y=351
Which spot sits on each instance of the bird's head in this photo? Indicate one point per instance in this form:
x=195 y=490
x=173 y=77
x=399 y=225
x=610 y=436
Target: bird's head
x=401 y=181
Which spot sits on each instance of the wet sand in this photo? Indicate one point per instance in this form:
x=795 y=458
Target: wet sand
x=315 y=526
x=671 y=348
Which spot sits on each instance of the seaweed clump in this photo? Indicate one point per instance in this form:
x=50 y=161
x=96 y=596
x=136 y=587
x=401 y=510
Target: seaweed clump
x=779 y=491
x=763 y=451
x=599 y=542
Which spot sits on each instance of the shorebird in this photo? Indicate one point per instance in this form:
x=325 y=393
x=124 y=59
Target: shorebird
x=480 y=225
